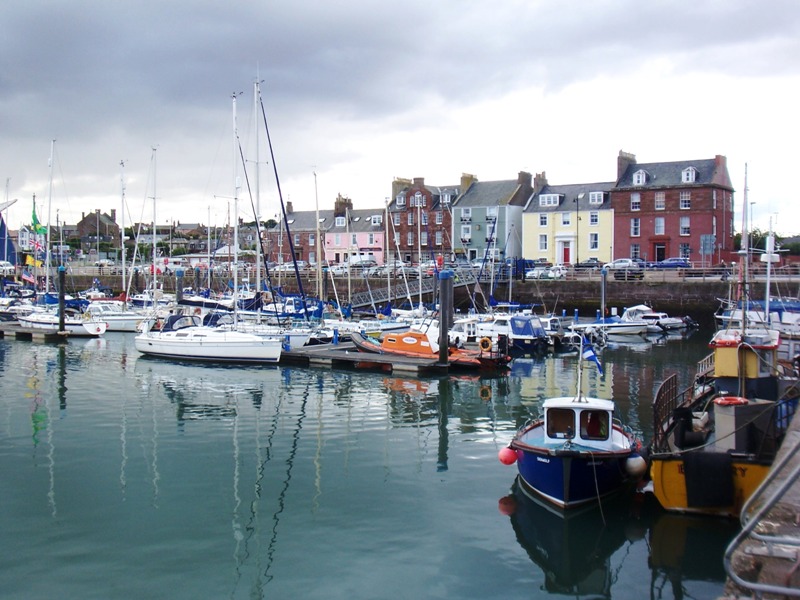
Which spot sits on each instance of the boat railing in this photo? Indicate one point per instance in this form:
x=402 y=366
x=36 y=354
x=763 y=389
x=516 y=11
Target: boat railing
x=769 y=541
x=667 y=399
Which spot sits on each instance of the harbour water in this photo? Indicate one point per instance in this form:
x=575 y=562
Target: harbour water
x=127 y=477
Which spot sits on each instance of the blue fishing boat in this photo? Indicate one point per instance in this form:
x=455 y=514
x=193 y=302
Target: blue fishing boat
x=576 y=453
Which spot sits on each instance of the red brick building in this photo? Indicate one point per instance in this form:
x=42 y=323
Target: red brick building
x=673 y=209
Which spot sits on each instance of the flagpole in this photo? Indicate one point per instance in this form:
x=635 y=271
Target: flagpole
x=47 y=232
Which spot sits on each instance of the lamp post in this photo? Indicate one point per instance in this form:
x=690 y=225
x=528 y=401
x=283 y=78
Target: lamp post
x=418 y=200
x=577 y=226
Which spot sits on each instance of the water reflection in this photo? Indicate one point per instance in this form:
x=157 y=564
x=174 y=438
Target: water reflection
x=582 y=553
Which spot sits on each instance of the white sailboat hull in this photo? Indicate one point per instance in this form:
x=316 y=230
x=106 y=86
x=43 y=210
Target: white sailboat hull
x=209 y=343
x=48 y=322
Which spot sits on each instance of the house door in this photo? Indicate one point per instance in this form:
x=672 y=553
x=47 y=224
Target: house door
x=565 y=259
x=660 y=252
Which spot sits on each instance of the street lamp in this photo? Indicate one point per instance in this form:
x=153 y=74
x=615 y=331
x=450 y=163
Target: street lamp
x=418 y=200
x=577 y=226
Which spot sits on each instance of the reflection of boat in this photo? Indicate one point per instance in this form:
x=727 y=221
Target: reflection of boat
x=573 y=548
x=183 y=337
x=684 y=549
x=576 y=453
x=714 y=442
x=418 y=344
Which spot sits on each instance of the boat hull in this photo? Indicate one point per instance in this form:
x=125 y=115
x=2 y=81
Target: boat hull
x=73 y=327
x=570 y=479
x=211 y=345
x=719 y=489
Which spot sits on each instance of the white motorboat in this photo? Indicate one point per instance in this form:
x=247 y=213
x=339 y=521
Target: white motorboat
x=184 y=337
x=657 y=322
x=116 y=315
x=74 y=325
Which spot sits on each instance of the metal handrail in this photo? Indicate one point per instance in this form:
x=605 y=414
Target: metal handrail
x=750 y=522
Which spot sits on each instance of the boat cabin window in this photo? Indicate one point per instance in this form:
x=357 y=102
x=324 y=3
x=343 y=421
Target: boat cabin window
x=594 y=424
x=561 y=423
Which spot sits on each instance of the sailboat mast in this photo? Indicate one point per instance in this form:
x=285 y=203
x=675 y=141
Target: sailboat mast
x=122 y=223
x=49 y=208
x=235 y=212
x=153 y=266
x=318 y=251
x=256 y=96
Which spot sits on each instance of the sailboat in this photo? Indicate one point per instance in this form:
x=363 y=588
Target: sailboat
x=185 y=337
x=576 y=453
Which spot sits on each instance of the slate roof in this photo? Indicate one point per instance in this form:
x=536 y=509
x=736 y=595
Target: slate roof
x=488 y=193
x=569 y=193
x=306 y=220
x=360 y=221
x=668 y=174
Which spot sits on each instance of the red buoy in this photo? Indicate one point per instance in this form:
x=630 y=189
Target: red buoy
x=507 y=456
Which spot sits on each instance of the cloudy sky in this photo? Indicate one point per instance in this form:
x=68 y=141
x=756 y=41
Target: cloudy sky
x=359 y=92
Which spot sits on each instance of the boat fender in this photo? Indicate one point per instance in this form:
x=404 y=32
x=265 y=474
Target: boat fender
x=507 y=456
x=730 y=401
x=485 y=344
x=636 y=465
x=486 y=393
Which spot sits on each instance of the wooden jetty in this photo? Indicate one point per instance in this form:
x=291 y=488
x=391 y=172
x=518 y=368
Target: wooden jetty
x=27 y=333
x=347 y=355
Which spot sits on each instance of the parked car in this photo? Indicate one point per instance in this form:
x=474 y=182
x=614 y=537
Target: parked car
x=541 y=262
x=673 y=263
x=6 y=268
x=104 y=262
x=537 y=273
x=623 y=263
x=590 y=264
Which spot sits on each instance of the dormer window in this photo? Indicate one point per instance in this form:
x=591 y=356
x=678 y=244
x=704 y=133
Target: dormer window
x=340 y=222
x=640 y=177
x=689 y=175
x=401 y=199
x=446 y=198
x=548 y=200
x=596 y=198
x=377 y=219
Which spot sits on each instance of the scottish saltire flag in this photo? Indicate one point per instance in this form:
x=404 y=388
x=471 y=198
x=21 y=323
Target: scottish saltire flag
x=589 y=354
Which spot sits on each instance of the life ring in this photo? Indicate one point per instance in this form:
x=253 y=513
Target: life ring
x=485 y=344
x=730 y=401
x=486 y=393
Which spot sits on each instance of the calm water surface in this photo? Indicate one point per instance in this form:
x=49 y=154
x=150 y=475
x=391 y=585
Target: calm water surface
x=126 y=477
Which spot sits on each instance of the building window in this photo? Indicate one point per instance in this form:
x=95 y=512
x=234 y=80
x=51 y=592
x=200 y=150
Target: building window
x=636 y=201
x=401 y=199
x=660 y=201
x=548 y=200
x=337 y=240
x=340 y=222
x=594 y=218
x=640 y=177
x=566 y=220
x=423 y=238
x=418 y=199
x=371 y=239
x=689 y=175
x=714 y=199
x=354 y=240
x=466 y=214
x=596 y=198
x=594 y=241
x=312 y=239
x=636 y=251
x=410 y=238
x=410 y=218
x=439 y=217
x=296 y=239
x=439 y=237
x=686 y=200
x=542 y=220
x=685 y=250
x=377 y=219
x=491 y=213
x=466 y=232
x=542 y=241
x=658 y=226
x=424 y=217
x=396 y=238
x=635 y=227
x=396 y=219
x=714 y=226
x=685 y=228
